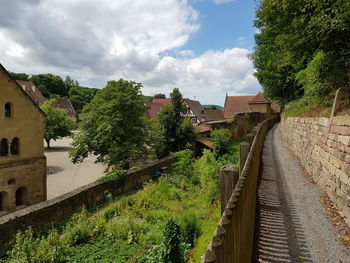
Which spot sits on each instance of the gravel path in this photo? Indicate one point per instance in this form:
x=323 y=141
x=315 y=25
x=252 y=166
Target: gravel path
x=292 y=226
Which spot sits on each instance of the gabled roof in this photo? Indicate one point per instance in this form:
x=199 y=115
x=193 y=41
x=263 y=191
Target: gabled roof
x=202 y=128
x=213 y=115
x=32 y=91
x=23 y=92
x=153 y=108
x=236 y=104
x=259 y=99
x=66 y=105
x=195 y=107
x=164 y=102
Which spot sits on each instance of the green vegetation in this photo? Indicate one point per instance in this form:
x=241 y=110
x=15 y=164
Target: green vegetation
x=162 y=222
x=177 y=130
x=112 y=125
x=80 y=96
x=302 y=51
x=57 y=123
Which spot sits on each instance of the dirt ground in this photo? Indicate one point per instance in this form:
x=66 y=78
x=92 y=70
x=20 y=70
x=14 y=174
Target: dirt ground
x=62 y=175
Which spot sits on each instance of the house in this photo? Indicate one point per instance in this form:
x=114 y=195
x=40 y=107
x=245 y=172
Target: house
x=22 y=159
x=251 y=103
x=67 y=105
x=32 y=91
x=214 y=115
x=195 y=111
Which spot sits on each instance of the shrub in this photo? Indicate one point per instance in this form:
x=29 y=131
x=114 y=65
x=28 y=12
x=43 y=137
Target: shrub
x=118 y=176
x=78 y=229
x=208 y=170
x=184 y=164
x=221 y=139
x=190 y=229
x=172 y=250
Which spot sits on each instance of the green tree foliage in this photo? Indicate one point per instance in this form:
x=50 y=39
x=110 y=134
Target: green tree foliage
x=80 y=96
x=50 y=84
x=221 y=139
x=159 y=96
x=172 y=250
x=298 y=34
x=177 y=130
x=19 y=76
x=112 y=126
x=57 y=123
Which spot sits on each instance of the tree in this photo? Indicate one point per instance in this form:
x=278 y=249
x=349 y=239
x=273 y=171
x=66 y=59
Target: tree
x=292 y=34
x=58 y=123
x=177 y=130
x=19 y=76
x=159 y=96
x=50 y=84
x=112 y=125
x=80 y=96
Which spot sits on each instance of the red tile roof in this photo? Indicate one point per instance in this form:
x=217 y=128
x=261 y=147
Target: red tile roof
x=164 y=102
x=33 y=92
x=153 y=108
x=236 y=104
x=259 y=99
x=213 y=115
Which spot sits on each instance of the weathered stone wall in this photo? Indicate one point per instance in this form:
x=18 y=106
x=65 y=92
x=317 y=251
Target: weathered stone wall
x=44 y=214
x=323 y=148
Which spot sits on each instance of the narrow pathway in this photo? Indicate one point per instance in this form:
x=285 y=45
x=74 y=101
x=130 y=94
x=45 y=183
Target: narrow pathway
x=292 y=226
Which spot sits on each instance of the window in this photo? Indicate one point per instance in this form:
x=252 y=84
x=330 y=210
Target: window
x=4 y=150
x=21 y=196
x=14 y=146
x=8 y=110
x=3 y=201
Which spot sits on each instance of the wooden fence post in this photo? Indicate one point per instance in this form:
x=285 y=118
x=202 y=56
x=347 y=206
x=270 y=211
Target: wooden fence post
x=250 y=139
x=243 y=154
x=229 y=177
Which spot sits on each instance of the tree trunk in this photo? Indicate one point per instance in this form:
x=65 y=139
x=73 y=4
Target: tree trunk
x=48 y=143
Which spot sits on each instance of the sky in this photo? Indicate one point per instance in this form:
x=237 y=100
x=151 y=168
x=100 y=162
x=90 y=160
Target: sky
x=198 y=46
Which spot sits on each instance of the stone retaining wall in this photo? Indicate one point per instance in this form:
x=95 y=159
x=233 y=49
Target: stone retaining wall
x=44 y=214
x=323 y=148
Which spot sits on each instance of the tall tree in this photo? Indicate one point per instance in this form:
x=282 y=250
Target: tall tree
x=292 y=34
x=112 y=125
x=19 y=76
x=176 y=129
x=57 y=123
x=50 y=84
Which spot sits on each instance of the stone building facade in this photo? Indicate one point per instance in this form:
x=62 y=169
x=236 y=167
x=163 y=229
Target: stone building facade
x=22 y=159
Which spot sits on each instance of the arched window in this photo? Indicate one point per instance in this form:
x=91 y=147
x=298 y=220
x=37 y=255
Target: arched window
x=21 y=196
x=14 y=146
x=4 y=149
x=4 y=198
x=8 y=110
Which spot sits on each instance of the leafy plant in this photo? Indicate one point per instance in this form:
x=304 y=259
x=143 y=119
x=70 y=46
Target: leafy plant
x=172 y=249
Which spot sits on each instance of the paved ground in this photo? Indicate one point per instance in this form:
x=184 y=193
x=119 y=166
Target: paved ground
x=63 y=176
x=292 y=226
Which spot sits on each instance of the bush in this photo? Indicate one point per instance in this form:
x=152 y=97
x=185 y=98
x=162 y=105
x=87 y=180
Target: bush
x=190 y=229
x=221 y=139
x=184 y=164
x=172 y=250
x=78 y=229
x=118 y=176
x=207 y=168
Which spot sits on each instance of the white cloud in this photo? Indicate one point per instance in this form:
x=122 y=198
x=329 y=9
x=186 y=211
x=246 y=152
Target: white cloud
x=207 y=77
x=187 y=53
x=97 y=40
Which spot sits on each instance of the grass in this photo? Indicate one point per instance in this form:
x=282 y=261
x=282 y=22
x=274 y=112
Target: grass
x=206 y=235
x=308 y=107
x=130 y=227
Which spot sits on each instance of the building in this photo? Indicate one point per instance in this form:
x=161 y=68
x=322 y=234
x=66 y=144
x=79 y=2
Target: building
x=67 y=105
x=22 y=159
x=251 y=103
x=195 y=111
x=32 y=91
